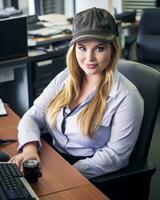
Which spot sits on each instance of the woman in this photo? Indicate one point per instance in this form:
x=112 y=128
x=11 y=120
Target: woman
x=91 y=110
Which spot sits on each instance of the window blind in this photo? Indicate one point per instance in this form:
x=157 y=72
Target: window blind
x=52 y=6
x=129 y=5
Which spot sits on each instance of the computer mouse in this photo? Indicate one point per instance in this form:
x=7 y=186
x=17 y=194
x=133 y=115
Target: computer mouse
x=67 y=31
x=4 y=156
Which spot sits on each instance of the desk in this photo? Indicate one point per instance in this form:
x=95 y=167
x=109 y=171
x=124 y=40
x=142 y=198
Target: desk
x=9 y=121
x=60 y=180
x=84 y=192
x=37 y=41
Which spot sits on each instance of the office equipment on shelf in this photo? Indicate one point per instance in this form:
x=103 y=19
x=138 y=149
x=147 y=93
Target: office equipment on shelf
x=48 y=35
x=43 y=68
x=45 y=32
x=3 y=14
x=28 y=76
x=49 y=25
x=2 y=108
x=13 y=185
x=34 y=23
x=9 y=11
x=127 y=16
x=13 y=11
x=54 y=19
x=47 y=29
x=50 y=31
x=13 y=38
x=41 y=41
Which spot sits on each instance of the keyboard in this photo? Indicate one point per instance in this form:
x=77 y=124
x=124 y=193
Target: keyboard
x=33 y=23
x=35 y=26
x=13 y=185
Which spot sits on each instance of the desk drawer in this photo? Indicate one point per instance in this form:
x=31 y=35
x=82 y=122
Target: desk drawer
x=45 y=71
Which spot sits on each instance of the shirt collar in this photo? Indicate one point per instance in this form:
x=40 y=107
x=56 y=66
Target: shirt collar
x=115 y=84
x=114 y=87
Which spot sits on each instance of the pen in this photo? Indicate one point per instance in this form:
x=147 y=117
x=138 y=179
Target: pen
x=7 y=141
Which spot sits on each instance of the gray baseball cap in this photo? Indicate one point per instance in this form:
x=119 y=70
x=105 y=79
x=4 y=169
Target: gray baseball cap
x=94 y=23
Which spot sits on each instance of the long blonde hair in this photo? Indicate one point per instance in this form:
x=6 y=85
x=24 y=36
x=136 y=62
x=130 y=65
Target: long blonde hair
x=93 y=113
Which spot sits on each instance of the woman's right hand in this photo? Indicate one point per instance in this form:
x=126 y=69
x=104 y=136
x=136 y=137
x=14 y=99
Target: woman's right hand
x=29 y=152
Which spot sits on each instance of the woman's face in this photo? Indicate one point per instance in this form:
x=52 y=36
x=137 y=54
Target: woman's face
x=93 y=56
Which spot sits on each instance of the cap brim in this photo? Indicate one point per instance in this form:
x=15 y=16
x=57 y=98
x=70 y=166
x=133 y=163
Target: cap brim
x=103 y=38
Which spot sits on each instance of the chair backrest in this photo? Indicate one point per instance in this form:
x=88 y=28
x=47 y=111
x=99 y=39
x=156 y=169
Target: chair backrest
x=147 y=81
x=148 y=38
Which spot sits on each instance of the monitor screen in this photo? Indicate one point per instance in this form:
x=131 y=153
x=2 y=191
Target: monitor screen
x=13 y=38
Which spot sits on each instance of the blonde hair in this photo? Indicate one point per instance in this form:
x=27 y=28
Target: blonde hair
x=93 y=113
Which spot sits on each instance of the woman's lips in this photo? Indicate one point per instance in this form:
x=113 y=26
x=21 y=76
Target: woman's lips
x=90 y=66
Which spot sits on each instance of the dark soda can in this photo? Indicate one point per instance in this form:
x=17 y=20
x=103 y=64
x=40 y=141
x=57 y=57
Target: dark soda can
x=31 y=170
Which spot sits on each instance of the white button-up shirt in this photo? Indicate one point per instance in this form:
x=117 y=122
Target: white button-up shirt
x=110 y=147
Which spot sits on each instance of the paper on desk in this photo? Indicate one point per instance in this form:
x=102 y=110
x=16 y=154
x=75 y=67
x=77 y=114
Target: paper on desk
x=49 y=24
x=36 y=52
x=45 y=32
x=2 y=108
x=54 y=19
x=49 y=31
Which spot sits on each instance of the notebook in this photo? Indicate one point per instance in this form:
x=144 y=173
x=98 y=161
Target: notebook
x=2 y=108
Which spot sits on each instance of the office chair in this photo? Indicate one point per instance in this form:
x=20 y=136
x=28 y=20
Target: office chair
x=133 y=181
x=148 y=38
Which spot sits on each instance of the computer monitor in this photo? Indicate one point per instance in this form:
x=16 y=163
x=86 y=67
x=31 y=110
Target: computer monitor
x=13 y=38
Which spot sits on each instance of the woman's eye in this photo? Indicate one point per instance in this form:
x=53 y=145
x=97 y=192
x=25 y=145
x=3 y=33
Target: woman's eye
x=81 y=48
x=99 y=49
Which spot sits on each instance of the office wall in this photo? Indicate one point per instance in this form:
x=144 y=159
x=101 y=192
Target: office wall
x=1 y=4
x=107 y=4
x=118 y=5
x=68 y=8
x=24 y=5
x=79 y=6
x=84 y=4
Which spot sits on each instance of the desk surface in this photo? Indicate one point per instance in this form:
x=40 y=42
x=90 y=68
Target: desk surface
x=84 y=192
x=60 y=180
x=10 y=120
x=33 y=42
